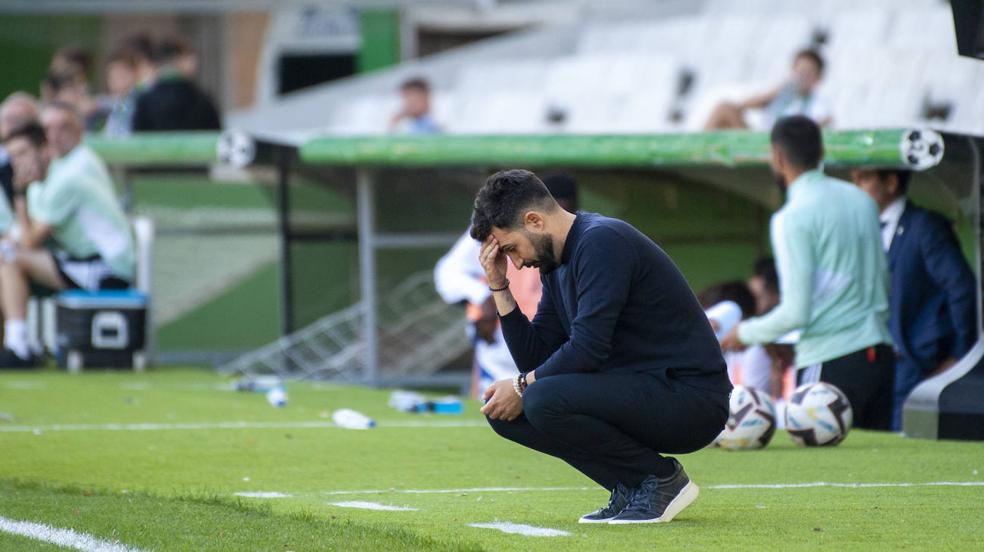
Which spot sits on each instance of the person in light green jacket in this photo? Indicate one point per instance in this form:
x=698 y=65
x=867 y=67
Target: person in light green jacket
x=833 y=279
x=72 y=233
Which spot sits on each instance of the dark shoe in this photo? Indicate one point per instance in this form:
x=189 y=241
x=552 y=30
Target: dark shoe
x=618 y=501
x=9 y=359
x=659 y=500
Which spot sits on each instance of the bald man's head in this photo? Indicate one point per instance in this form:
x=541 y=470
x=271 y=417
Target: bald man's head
x=19 y=109
x=63 y=126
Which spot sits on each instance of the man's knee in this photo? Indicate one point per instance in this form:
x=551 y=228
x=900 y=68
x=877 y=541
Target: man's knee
x=499 y=426
x=542 y=402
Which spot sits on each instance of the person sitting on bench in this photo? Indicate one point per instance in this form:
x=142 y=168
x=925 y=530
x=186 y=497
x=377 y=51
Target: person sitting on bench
x=72 y=231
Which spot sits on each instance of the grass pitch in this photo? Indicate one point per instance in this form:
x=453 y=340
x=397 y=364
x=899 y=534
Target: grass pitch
x=155 y=461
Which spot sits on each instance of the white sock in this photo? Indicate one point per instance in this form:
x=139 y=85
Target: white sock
x=15 y=337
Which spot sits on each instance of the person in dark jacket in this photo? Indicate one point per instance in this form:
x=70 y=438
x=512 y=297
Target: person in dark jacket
x=933 y=316
x=618 y=367
x=174 y=102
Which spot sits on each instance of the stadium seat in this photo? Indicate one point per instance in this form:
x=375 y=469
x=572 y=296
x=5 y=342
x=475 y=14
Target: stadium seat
x=622 y=76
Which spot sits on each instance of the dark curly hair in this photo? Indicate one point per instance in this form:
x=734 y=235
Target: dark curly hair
x=504 y=198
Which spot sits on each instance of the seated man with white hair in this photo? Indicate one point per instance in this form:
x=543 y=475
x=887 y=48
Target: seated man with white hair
x=70 y=205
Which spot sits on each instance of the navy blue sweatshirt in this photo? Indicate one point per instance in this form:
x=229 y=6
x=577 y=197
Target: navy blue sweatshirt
x=616 y=303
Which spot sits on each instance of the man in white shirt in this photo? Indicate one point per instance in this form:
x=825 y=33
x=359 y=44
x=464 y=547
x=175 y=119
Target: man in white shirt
x=797 y=95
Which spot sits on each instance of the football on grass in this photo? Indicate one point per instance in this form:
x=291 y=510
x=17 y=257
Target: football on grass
x=751 y=422
x=818 y=414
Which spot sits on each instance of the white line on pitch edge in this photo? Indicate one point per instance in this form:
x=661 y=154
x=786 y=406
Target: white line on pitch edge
x=521 y=529
x=749 y=486
x=373 y=506
x=61 y=537
x=846 y=485
x=231 y=425
x=457 y=491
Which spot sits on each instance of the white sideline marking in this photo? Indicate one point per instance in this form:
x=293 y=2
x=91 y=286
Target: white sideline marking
x=721 y=487
x=25 y=385
x=261 y=494
x=520 y=529
x=61 y=537
x=847 y=485
x=373 y=506
x=461 y=491
x=229 y=425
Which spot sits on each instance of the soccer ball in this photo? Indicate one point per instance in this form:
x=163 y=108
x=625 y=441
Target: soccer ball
x=818 y=414
x=922 y=149
x=236 y=148
x=751 y=422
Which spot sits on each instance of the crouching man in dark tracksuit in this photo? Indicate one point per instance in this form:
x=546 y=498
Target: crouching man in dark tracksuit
x=619 y=367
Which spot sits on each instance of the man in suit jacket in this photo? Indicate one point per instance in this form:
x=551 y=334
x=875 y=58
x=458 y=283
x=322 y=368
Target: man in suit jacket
x=932 y=304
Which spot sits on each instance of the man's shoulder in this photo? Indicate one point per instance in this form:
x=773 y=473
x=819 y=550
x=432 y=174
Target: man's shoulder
x=602 y=229
x=921 y=215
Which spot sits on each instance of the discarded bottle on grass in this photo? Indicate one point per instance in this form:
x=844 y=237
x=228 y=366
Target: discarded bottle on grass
x=258 y=384
x=277 y=397
x=446 y=405
x=350 y=419
x=406 y=401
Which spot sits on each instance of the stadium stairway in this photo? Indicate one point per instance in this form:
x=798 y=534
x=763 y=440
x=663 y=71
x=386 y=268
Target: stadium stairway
x=419 y=334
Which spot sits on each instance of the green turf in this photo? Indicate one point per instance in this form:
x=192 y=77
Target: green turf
x=182 y=481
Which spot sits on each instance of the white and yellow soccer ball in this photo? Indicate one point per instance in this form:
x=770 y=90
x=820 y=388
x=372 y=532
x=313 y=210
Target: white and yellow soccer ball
x=818 y=414
x=751 y=422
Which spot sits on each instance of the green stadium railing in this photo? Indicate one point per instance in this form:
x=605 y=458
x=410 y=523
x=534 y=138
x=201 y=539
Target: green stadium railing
x=725 y=148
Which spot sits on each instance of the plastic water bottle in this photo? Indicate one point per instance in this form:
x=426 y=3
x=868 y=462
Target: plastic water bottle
x=446 y=405
x=277 y=397
x=406 y=401
x=258 y=384
x=350 y=419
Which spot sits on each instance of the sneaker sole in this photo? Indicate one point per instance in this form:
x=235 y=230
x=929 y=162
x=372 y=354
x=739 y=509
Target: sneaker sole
x=606 y=520
x=682 y=500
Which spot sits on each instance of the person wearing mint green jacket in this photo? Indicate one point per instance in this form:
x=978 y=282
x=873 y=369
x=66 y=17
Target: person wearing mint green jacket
x=833 y=279
x=71 y=231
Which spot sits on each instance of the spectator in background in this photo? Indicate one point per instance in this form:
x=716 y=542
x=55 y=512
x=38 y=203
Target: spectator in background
x=414 y=116
x=17 y=110
x=795 y=96
x=460 y=278
x=68 y=81
x=764 y=285
x=71 y=207
x=173 y=102
x=142 y=48
x=71 y=59
x=933 y=316
x=833 y=279
x=185 y=57
x=769 y=376
x=121 y=82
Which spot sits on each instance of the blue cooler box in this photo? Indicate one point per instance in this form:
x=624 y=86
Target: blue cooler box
x=105 y=329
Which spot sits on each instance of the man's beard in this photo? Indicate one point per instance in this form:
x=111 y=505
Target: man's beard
x=543 y=246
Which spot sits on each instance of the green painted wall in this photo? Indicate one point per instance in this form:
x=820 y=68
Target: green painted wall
x=27 y=43
x=380 y=33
